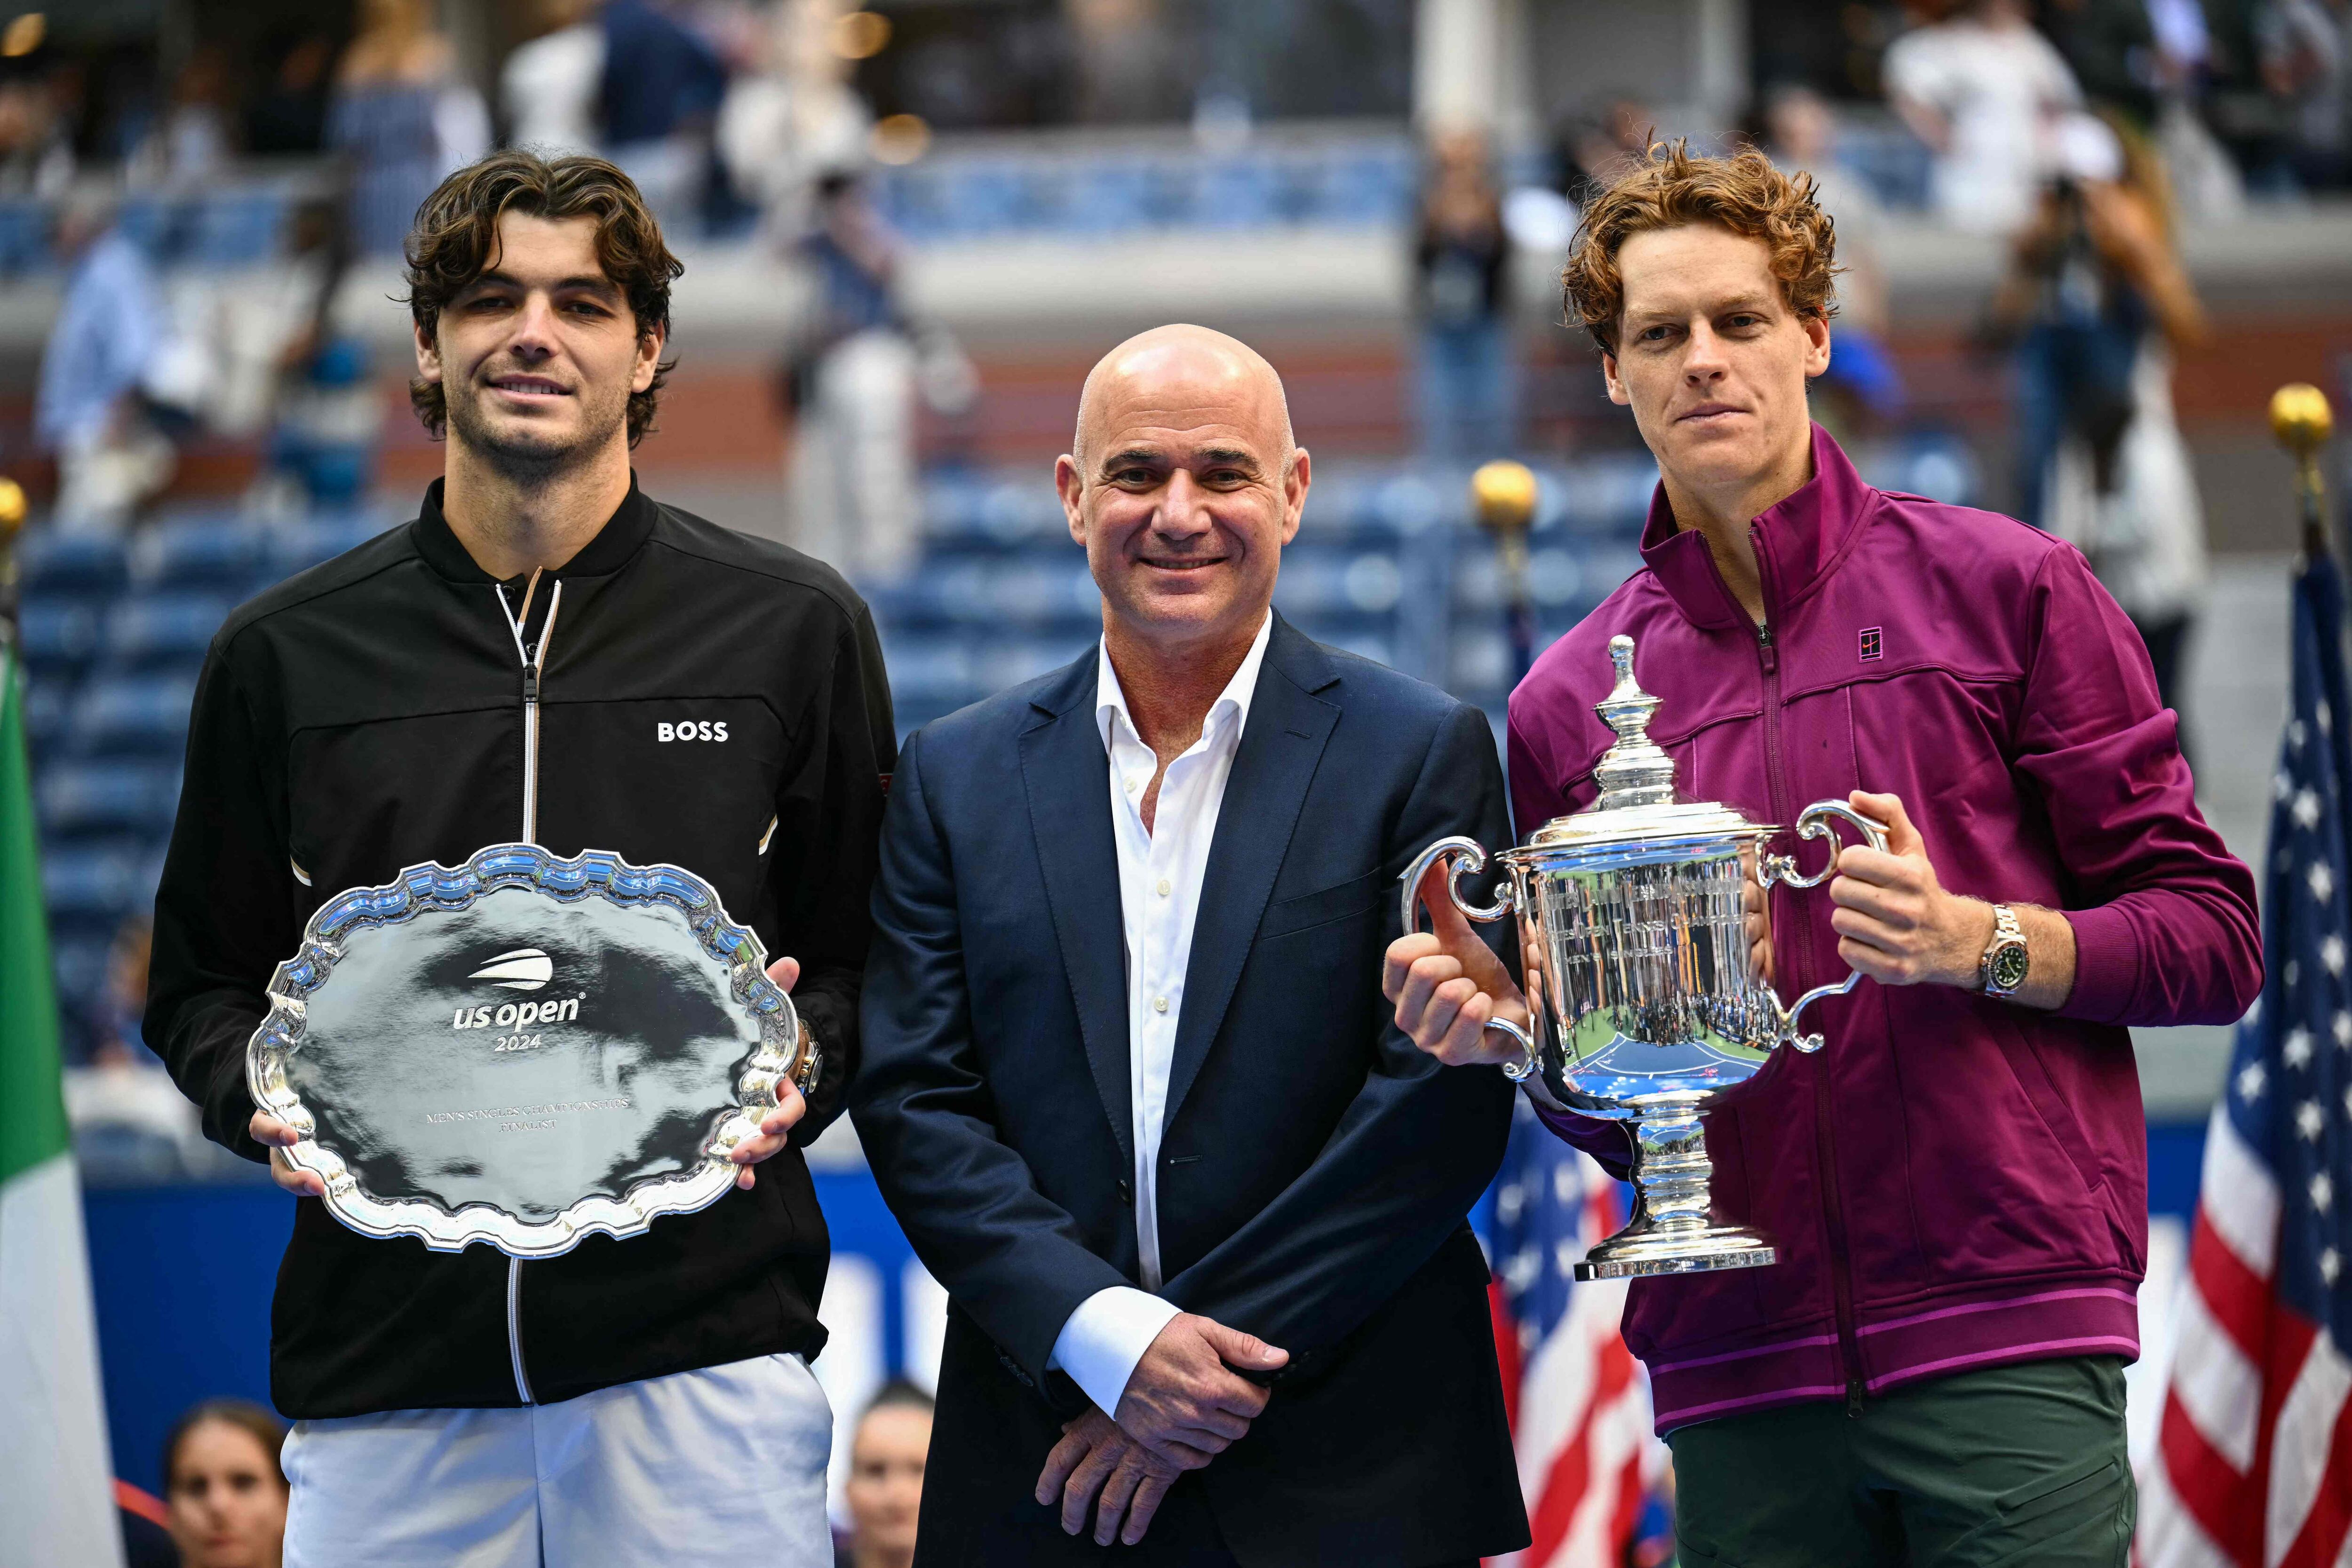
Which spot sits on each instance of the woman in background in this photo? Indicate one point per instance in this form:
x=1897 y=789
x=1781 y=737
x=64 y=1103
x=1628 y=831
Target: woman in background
x=222 y=1484
x=2099 y=287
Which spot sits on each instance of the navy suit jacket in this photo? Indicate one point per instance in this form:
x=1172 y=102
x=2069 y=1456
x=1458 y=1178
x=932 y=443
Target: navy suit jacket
x=1316 y=1168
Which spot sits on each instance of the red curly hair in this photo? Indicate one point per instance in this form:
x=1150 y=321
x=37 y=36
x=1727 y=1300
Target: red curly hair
x=1672 y=188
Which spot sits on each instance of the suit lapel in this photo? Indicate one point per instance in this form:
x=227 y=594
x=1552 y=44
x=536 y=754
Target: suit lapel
x=1066 y=775
x=1280 y=748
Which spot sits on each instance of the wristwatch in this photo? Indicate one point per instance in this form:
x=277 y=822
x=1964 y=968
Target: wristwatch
x=812 y=1065
x=2005 y=964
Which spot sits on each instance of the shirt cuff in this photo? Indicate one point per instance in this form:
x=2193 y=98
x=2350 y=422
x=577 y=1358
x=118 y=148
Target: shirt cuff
x=2106 y=965
x=1104 y=1339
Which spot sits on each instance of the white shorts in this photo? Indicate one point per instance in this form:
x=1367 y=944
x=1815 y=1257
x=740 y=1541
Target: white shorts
x=729 y=1459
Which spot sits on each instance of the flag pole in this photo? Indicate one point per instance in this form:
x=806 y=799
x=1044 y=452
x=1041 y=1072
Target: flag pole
x=2302 y=422
x=1505 y=495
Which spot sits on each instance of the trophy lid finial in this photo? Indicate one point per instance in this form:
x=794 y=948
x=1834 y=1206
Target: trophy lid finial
x=1635 y=771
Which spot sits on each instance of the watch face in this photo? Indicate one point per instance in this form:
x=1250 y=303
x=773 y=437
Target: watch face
x=2009 y=966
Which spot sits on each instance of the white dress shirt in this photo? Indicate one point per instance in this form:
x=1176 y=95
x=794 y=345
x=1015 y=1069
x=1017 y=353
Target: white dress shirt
x=1160 y=871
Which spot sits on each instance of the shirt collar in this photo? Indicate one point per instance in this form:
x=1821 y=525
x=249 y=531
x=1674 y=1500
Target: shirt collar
x=631 y=525
x=1111 y=699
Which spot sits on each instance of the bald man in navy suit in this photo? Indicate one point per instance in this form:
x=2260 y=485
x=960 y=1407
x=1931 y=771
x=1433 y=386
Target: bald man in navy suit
x=1129 y=1082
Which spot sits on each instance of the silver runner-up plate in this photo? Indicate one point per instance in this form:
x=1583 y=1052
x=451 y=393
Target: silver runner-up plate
x=525 y=1049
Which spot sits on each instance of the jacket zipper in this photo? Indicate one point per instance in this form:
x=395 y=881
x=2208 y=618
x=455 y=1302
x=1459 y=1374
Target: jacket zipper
x=1824 y=1147
x=534 y=661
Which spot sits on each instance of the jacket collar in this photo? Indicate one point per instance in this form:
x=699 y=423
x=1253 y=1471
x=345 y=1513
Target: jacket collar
x=1288 y=651
x=624 y=533
x=1799 y=542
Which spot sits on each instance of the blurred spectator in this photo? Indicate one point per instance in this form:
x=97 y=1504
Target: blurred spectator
x=36 y=155
x=661 y=90
x=288 y=116
x=885 y=1490
x=130 y=1123
x=551 y=87
x=308 y=377
x=225 y=1486
x=401 y=117
x=191 y=144
x=115 y=1035
x=2110 y=46
x=2205 y=183
x=851 y=381
x=88 y=411
x=2103 y=300
x=1593 y=149
x=2302 y=47
x=793 y=117
x=1977 y=88
x=1862 y=386
x=1461 y=258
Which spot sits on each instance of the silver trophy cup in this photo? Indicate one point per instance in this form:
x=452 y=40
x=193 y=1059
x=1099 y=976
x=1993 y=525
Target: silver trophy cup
x=1631 y=922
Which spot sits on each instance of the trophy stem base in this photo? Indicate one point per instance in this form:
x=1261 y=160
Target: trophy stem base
x=1672 y=1231
x=1632 y=1254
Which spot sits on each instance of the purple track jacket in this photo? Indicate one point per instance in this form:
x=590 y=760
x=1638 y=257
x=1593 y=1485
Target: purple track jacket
x=1954 y=1182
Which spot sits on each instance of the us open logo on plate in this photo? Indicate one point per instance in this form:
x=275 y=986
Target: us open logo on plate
x=524 y=969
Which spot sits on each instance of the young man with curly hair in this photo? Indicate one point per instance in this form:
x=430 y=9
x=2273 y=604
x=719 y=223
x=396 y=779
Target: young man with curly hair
x=545 y=654
x=1957 y=1185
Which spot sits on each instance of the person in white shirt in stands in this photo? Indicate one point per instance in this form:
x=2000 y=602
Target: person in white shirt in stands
x=1979 y=88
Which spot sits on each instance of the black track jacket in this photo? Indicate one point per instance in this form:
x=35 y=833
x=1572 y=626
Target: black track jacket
x=368 y=715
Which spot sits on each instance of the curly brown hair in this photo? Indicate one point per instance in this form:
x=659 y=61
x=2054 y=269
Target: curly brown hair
x=1671 y=187
x=456 y=235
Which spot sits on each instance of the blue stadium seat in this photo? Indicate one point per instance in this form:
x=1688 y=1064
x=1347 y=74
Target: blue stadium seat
x=1365 y=186
x=57 y=637
x=163 y=630
x=90 y=888
x=200 y=551
x=1243 y=191
x=80 y=964
x=24 y=235
x=149 y=222
x=1338 y=585
x=322 y=537
x=55 y=563
x=1112 y=195
x=236 y=228
x=79 y=800
x=48 y=701
x=131 y=716
x=932 y=673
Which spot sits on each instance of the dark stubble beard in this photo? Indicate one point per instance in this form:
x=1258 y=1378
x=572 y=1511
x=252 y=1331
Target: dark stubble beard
x=526 y=456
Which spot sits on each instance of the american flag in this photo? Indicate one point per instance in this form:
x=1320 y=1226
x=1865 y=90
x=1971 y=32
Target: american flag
x=2253 y=1467
x=1580 y=1406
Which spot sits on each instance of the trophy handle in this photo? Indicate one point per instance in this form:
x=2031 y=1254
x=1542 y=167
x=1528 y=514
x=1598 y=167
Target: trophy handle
x=1813 y=822
x=1472 y=859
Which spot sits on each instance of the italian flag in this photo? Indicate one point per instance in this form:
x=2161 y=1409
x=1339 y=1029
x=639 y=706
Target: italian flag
x=57 y=1494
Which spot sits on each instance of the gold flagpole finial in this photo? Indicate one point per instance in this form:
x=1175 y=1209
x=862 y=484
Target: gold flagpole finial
x=2300 y=418
x=2303 y=423
x=1505 y=495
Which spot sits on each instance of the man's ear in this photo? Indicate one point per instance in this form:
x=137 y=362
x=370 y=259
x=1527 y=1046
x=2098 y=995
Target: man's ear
x=428 y=352
x=1070 y=485
x=649 y=348
x=1816 y=344
x=1296 y=478
x=1617 y=393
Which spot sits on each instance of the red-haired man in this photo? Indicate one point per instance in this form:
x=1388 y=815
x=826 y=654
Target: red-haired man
x=1957 y=1186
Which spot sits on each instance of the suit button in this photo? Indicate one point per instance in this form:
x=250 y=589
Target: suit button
x=1126 y=1193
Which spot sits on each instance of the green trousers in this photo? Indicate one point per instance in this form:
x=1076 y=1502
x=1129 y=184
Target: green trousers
x=2014 y=1464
